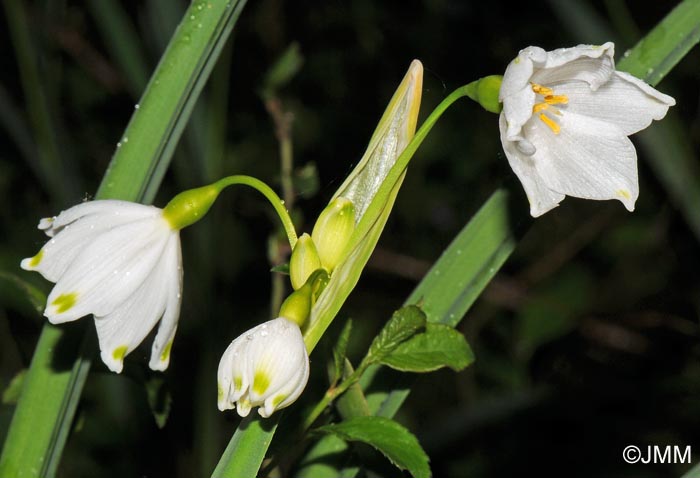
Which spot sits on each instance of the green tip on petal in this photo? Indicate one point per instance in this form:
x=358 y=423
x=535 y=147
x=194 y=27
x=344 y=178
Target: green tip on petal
x=485 y=92
x=165 y=354
x=65 y=302
x=120 y=352
x=190 y=206
x=261 y=381
x=34 y=261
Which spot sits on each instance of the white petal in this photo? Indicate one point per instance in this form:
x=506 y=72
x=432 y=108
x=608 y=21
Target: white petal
x=124 y=329
x=591 y=64
x=541 y=198
x=589 y=159
x=624 y=101
x=519 y=71
x=278 y=352
x=160 y=352
x=119 y=211
x=109 y=270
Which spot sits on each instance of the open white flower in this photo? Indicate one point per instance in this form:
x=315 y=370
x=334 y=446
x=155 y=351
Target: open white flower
x=565 y=121
x=268 y=366
x=121 y=262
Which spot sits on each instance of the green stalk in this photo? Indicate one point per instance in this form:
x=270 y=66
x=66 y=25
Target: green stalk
x=55 y=379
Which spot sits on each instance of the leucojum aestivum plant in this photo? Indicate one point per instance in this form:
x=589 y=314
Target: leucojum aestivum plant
x=565 y=117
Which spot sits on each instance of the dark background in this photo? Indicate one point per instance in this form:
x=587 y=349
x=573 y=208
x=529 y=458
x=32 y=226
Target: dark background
x=586 y=341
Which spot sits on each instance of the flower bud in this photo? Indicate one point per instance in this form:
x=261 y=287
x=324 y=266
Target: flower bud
x=332 y=232
x=485 y=92
x=304 y=261
x=268 y=366
x=190 y=206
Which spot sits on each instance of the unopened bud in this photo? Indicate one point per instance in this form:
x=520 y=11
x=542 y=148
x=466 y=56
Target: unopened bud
x=304 y=261
x=332 y=232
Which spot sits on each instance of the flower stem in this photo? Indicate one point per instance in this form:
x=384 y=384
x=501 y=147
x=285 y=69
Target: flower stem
x=330 y=395
x=271 y=196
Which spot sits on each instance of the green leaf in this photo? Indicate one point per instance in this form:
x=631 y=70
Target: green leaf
x=339 y=351
x=387 y=436
x=403 y=325
x=439 y=346
x=246 y=450
x=11 y=393
x=159 y=398
x=662 y=48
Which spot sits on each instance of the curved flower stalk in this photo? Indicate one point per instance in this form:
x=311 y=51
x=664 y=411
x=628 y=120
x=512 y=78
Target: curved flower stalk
x=566 y=118
x=266 y=367
x=121 y=262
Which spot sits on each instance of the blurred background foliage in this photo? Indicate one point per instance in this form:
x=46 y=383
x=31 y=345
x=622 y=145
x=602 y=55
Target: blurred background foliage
x=586 y=341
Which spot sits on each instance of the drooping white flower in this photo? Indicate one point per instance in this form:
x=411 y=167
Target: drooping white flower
x=268 y=366
x=121 y=262
x=565 y=121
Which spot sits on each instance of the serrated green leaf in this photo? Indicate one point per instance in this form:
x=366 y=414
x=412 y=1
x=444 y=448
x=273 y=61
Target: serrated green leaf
x=439 y=346
x=339 y=351
x=159 y=399
x=11 y=393
x=393 y=440
x=403 y=325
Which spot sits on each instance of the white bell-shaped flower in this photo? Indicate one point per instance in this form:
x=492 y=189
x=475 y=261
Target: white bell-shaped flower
x=121 y=262
x=566 y=118
x=266 y=367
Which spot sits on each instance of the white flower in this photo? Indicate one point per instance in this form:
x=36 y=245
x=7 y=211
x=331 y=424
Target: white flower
x=268 y=366
x=121 y=262
x=565 y=121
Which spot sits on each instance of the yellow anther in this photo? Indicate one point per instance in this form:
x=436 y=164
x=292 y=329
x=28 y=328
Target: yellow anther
x=539 y=107
x=556 y=99
x=550 y=123
x=542 y=90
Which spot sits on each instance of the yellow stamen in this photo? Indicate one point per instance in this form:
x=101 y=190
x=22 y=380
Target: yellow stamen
x=542 y=90
x=556 y=99
x=624 y=193
x=550 y=123
x=539 y=107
